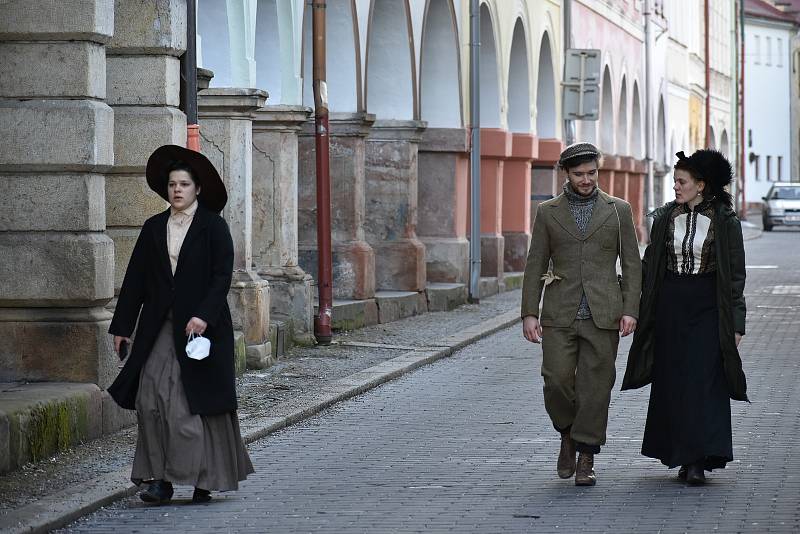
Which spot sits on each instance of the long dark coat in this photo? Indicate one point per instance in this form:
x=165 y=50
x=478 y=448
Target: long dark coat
x=729 y=248
x=199 y=288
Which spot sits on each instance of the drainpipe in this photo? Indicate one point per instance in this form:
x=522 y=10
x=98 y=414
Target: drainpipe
x=322 y=321
x=475 y=151
x=569 y=125
x=708 y=72
x=648 y=109
x=189 y=74
x=742 y=142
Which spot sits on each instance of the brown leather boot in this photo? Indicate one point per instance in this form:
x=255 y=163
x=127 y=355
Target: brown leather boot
x=566 y=457
x=584 y=476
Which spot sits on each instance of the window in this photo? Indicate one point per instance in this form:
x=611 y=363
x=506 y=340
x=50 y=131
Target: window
x=757 y=49
x=757 y=160
x=769 y=168
x=767 y=50
x=779 y=173
x=779 y=52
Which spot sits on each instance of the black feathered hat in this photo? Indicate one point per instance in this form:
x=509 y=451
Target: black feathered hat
x=213 y=195
x=713 y=168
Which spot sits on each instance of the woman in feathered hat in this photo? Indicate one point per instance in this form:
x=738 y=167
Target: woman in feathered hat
x=176 y=285
x=691 y=320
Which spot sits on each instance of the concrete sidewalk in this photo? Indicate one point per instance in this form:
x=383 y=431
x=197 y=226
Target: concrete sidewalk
x=51 y=493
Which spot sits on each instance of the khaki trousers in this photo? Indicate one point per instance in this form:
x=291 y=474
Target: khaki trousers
x=579 y=373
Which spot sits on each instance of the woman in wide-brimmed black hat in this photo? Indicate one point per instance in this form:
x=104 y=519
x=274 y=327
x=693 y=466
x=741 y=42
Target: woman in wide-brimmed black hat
x=176 y=286
x=691 y=320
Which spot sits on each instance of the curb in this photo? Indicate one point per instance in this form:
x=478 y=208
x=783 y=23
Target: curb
x=59 y=509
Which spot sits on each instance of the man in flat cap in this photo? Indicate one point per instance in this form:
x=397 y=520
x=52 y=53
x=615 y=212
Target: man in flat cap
x=577 y=238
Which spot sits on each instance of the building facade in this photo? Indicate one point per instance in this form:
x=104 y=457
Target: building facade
x=768 y=89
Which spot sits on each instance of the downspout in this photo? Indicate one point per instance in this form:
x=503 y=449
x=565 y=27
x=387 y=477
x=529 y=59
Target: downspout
x=569 y=125
x=708 y=73
x=648 y=115
x=189 y=74
x=324 y=316
x=742 y=184
x=475 y=151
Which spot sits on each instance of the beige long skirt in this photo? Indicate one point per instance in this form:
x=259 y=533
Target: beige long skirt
x=205 y=451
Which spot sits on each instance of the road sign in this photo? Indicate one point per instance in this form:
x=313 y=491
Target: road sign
x=581 y=85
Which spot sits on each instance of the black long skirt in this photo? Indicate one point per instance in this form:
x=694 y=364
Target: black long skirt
x=689 y=416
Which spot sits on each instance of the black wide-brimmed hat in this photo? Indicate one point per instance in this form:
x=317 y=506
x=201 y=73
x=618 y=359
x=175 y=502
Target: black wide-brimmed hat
x=712 y=167
x=213 y=195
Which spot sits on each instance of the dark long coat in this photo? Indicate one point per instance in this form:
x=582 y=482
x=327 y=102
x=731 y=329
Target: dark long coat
x=199 y=288
x=729 y=248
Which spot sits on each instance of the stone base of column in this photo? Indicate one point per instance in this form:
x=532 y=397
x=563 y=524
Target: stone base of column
x=353 y=268
x=292 y=298
x=447 y=259
x=492 y=252
x=516 y=251
x=249 y=303
x=400 y=265
x=57 y=344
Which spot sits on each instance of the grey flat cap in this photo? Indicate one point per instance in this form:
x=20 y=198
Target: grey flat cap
x=577 y=150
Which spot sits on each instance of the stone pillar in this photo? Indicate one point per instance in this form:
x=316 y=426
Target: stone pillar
x=621 y=178
x=353 y=258
x=143 y=77
x=275 y=130
x=443 y=201
x=495 y=148
x=226 y=138
x=636 y=198
x=56 y=263
x=517 y=201
x=391 y=188
x=627 y=167
x=546 y=181
x=606 y=174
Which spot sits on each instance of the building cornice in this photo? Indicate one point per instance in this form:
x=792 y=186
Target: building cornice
x=602 y=9
x=768 y=23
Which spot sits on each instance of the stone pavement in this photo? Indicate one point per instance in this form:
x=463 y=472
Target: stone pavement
x=464 y=445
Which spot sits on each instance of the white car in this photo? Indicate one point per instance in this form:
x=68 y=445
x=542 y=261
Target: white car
x=781 y=206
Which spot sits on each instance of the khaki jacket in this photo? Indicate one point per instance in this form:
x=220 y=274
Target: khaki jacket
x=581 y=264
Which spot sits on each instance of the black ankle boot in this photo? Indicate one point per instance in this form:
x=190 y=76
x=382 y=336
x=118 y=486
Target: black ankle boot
x=201 y=495
x=695 y=475
x=158 y=492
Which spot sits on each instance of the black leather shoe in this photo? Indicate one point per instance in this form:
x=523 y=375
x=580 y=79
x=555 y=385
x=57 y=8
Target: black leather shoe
x=695 y=475
x=158 y=492
x=201 y=495
x=682 y=473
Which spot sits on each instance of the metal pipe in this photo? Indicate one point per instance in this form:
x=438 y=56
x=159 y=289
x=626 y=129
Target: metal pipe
x=475 y=151
x=569 y=125
x=707 y=40
x=189 y=73
x=649 y=185
x=742 y=182
x=324 y=316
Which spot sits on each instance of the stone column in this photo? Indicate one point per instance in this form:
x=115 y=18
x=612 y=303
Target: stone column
x=495 y=148
x=636 y=198
x=390 y=222
x=143 y=77
x=56 y=263
x=621 y=178
x=226 y=138
x=275 y=130
x=606 y=174
x=443 y=201
x=545 y=180
x=353 y=257
x=517 y=201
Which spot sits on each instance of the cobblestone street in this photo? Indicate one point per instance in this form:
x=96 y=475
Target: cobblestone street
x=464 y=445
